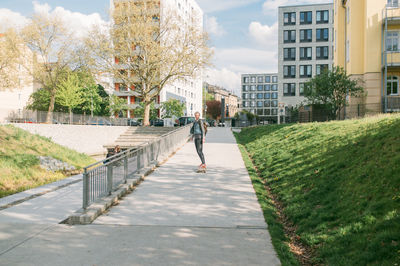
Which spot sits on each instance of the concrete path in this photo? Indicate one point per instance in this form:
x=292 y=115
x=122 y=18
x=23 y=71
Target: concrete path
x=176 y=217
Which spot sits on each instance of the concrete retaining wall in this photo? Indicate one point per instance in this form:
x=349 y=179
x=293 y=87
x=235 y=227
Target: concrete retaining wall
x=85 y=139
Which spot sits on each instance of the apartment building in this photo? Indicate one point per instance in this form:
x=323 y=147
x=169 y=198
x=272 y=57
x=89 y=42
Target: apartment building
x=187 y=90
x=305 y=48
x=219 y=93
x=367 y=46
x=260 y=95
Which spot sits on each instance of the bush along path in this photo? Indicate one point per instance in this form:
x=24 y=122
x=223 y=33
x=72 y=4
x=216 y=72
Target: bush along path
x=337 y=184
x=28 y=161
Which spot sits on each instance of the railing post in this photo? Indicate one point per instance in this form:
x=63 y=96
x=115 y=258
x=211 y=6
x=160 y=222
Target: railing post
x=109 y=178
x=85 y=189
x=138 y=159
x=126 y=167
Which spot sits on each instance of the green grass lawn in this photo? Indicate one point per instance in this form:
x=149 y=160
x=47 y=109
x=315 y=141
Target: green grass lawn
x=339 y=183
x=19 y=163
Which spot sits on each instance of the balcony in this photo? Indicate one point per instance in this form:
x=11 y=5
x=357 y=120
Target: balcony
x=392 y=15
x=393 y=103
x=393 y=59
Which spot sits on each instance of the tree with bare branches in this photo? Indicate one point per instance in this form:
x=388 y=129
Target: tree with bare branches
x=9 y=59
x=148 y=48
x=55 y=52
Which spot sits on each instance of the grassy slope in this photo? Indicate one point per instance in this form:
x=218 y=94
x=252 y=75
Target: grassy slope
x=339 y=183
x=19 y=165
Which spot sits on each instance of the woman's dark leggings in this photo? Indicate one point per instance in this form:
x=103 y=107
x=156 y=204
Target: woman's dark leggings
x=198 y=141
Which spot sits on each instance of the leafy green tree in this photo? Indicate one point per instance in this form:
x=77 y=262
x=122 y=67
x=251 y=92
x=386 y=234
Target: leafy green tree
x=172 y=108
x=40 y=100
x=330 y=90
x=69 y=93
x=117 y=105
x=140 y=111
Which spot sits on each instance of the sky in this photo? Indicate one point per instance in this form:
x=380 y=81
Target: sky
x=243 y=33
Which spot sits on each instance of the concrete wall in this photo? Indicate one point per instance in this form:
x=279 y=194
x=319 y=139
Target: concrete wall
x=85 y=139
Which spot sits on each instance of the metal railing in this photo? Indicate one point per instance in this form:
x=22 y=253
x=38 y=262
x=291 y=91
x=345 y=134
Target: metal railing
x=102 y=178
x=33 y=117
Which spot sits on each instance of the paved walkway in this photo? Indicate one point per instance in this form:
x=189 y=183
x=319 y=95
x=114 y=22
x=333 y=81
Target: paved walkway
x=176 y=217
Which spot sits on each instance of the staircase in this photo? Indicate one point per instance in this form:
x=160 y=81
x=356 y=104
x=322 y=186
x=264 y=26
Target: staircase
x=136 y=136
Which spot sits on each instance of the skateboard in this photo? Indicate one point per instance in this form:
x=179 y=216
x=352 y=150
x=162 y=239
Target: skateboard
x=201 y=170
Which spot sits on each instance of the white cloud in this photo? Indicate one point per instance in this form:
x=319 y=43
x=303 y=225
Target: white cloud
x=209 y=6
x=270 y=6
x=10 y=19
x=264 y=35
x=213 y=27
x=225 y=78
x=76 y=22
x=231 y=63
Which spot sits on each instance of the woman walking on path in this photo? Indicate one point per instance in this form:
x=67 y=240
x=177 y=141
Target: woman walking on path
x=198 y=132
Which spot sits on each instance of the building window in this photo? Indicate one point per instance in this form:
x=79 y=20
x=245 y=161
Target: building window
x=253 y=79
x=253 y=96
x=306 y=17
x=244 y=88
x=321 y=68
x=306 y=35
x=301 y=89
x=289 y=89
x=253 y=104
x=260 y=111
x=289 y=54
x=267 y=112
x=274 y=111
x=393 y=85
x=267 y=79
x=348 y=51
x=267 y=95
x=260 y=79
x=259 y=104
x=306 y=71
x=392 y=41
x=275 y=87
x=322 y=35
x=267 y=103
x=323 y=16
x=289 y=36
x=289 y=18
x=267 y=87
x=322 y=52
x=393 y=3
x=274 y=103
x=246 y=80
x=253 y=87
x=275 y=79
x=274 y=95
x=289 y=71
x=260 y=87
x=305 y=53
x=260 y=95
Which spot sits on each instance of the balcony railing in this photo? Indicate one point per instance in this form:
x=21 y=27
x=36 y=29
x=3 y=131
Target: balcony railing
x=391 y=13
x=393 y=103
x=392 y=57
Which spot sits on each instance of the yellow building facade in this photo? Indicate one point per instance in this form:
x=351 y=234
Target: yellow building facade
x=367 y=39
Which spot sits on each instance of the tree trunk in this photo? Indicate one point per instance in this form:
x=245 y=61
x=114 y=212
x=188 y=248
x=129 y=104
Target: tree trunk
x=70 y=116
x=49 y=117
x=146 y=116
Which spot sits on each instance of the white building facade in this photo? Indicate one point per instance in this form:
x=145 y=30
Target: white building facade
x=260 y=95
x=305 y=48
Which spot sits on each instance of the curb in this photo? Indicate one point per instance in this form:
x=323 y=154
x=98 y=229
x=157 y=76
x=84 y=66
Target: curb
x=85 y=217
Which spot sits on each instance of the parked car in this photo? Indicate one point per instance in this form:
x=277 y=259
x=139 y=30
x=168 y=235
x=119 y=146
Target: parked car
x=157 y=122
x=185 y=120
x=211 y=122
x=133 y=122
x=99 y=122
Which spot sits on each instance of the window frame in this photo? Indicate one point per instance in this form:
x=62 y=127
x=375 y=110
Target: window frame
x=290 y=35
x=291 y=56
x=392 y=80
x=306 y=35
x=322 y=14
x=307 y=17
x=289 y=71
x=306 y=55
x=290 y=17
x=322 y=35
x=322 y=50
x=289 y=89
x=305 y=70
